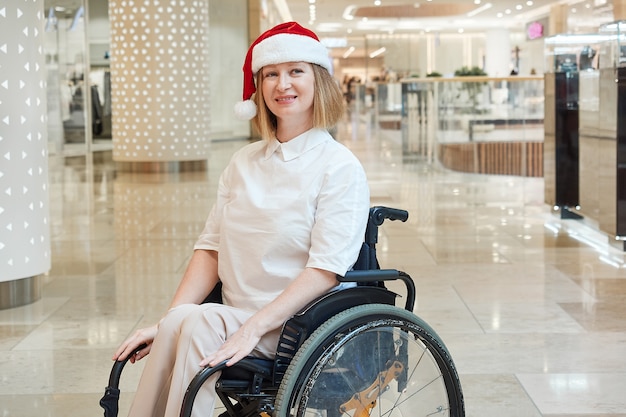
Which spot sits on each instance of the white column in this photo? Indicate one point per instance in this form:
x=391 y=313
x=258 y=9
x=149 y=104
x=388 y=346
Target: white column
x=160 y=80
x=24 y=201
x=497 y=53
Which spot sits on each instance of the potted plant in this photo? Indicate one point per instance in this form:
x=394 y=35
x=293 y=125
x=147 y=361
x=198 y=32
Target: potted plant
x=472 y=88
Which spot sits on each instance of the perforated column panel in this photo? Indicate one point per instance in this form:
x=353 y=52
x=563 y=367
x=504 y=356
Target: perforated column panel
x=160 y=80
x=24 y=202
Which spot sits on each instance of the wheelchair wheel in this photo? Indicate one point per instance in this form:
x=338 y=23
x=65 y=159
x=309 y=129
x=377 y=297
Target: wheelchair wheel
x=371 y=360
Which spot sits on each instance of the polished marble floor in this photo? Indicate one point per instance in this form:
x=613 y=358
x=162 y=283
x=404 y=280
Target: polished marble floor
x=532 y=307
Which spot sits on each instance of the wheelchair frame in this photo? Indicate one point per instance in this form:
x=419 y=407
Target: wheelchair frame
x=252 y=386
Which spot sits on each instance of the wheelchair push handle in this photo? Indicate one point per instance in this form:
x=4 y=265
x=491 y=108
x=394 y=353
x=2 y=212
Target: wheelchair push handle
x=379 y=214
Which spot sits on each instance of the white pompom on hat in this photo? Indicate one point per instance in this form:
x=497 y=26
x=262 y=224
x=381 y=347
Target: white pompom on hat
x=287 y=42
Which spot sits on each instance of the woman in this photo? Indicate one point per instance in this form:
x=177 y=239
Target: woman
x=290 y=215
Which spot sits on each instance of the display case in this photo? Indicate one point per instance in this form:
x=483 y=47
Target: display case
x=613 y=47
x=568 y=59
x=572 y=53
x=477 y=124
x=603 y=136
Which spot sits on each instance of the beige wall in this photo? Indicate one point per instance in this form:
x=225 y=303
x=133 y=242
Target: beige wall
x=228 y=44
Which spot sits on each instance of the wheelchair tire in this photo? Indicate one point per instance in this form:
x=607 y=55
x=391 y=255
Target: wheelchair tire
x=371 y=360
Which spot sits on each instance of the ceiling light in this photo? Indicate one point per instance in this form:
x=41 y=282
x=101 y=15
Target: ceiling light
x=378 y=52
x=283 y=10
x=479 y=9
x=80 y=13
x=348 y=13
x=519 y=7
x=348 y=52
x=529 y=3
x=51 y=21
x=476 y=1
x=330 y=28
x=377 y=2
x=507 y=11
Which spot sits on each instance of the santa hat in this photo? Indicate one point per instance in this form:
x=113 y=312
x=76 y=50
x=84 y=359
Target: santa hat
x=287 y=42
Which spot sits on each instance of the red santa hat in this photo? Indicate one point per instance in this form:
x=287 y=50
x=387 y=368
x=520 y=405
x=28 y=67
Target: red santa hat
x=287 y=42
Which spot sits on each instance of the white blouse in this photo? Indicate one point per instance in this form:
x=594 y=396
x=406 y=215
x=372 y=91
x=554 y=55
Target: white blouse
x=282 y=207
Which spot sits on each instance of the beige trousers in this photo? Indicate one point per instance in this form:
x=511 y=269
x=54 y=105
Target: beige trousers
x=187 y=334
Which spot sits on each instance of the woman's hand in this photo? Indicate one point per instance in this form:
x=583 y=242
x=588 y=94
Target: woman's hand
x=237 y=346
x=311 y=283
x=140 y=337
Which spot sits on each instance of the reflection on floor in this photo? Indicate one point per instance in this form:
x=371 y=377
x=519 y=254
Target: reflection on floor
x=532 y=307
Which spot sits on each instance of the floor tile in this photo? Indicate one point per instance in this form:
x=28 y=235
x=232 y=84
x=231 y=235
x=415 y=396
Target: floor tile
x=591 y=394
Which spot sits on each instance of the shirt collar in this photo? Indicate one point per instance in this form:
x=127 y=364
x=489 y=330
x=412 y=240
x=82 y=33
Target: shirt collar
x=297 y=146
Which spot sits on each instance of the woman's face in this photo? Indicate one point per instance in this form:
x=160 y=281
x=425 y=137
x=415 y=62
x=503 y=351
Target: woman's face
x=288 y=90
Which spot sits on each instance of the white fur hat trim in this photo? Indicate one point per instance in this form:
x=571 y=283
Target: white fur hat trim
x=287 y=47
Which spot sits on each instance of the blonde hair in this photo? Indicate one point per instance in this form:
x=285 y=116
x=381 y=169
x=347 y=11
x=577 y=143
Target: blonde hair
x=328 y=104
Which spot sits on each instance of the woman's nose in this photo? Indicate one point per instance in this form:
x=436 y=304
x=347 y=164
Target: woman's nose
x=284 y=82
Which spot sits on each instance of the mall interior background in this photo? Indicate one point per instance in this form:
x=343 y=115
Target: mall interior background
x=530 y=304
x=78 y=45
x=155 y=84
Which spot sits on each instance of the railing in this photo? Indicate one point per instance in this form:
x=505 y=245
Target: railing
x=470 y=124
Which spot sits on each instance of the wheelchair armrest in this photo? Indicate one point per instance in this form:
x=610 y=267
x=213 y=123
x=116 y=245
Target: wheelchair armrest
x=374 y=275
x=369 y=275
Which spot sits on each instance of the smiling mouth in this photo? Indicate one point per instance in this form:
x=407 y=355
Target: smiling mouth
x=286 y=99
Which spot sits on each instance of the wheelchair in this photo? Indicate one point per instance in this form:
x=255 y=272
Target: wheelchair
x=351 y=352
